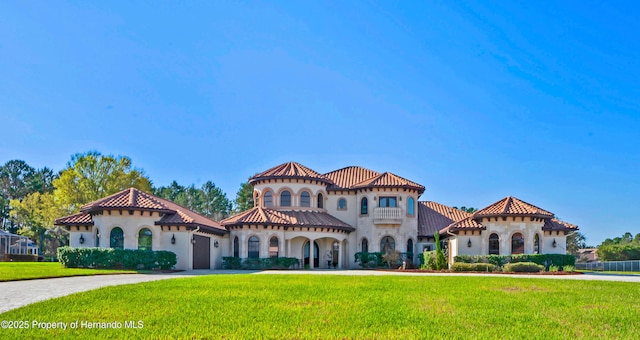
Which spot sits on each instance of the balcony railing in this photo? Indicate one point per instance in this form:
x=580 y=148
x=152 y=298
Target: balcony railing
x=387 y=215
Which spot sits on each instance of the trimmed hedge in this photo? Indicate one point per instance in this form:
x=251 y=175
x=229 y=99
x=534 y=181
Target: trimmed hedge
x=108 y=258
x=501 y=260
x=18 y=258
x=523 y=267
x=472 y=267
x=230 y=262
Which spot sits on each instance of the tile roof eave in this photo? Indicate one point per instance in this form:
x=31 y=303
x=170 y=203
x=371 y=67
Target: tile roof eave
x=254 y=180
x=291 y=225
x=193 y=226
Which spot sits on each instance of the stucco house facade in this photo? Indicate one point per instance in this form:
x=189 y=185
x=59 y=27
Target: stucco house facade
x=320 y=219
x=132 y=219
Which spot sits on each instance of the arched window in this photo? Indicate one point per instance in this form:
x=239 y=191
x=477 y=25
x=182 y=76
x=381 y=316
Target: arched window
x=273 y=247
x=320 y=201
x=411 y=210
x=387 y=244
x=254 y=247
x=342 y=204
x=364 y=206
x=236 y=247
x=285 y=199
x=305 y=199
x=494 y=244
x=517 y=244
x=410 y=246
x=268 y=199
x=536 y=244
x=144 y=239
x=116 y=238
x=365 y=245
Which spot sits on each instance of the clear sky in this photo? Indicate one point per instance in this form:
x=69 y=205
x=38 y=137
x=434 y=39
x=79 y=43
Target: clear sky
x=476 y=101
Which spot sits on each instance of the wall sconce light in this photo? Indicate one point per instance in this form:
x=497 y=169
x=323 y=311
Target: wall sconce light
x=216 y=244
x=554 y=244
x=81 y=239
x=173 y=239
x=193 y=240
x=469 y=243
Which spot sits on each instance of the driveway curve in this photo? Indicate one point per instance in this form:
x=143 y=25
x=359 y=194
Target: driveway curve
x=15 y=294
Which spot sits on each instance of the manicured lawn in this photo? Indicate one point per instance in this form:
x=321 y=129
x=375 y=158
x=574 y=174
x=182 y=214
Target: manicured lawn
x=12 y=271
x=339 y=307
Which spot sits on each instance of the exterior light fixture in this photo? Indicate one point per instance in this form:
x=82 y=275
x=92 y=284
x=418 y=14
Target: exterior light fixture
x=216 y=244
x=554 y=244
x=193 y=240
x=173 y=239
x=81 y=239
x=469 y=243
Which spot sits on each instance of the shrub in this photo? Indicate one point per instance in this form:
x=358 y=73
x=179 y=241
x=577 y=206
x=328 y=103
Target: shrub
x=109 y=258
x=569 y=269
x=500 y=260
x=429 y=260
x=523 y=267
x=554 y=268
x=472 y=267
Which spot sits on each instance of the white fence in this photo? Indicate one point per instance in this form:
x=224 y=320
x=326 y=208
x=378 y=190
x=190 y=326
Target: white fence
x=611 y=266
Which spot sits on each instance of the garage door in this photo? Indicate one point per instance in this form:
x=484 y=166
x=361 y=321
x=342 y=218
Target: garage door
x=201 y=252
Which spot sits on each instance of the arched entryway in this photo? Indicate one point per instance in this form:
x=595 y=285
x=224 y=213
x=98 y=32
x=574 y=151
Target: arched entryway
x=306 y=252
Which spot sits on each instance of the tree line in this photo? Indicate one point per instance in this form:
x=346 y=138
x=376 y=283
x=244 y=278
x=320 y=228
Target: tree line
x=31 y=199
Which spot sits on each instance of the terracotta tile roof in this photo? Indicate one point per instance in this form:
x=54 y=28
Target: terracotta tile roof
x=266 y=216
x=389 y=180
x=468 y=223
x=134 y=199
x=129 y=199
x=554 y=224
x=510 y=206
x=82 y=218
x=289 y=170
x=433 y=216
x=347 y=177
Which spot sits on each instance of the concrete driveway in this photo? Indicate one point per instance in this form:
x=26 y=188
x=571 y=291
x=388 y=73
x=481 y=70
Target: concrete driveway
x=16 y=294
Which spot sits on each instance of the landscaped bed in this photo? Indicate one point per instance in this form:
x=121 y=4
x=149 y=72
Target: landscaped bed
x=337 y=307
x=14 y=271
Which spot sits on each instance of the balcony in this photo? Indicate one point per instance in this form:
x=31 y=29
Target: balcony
x=387 y=216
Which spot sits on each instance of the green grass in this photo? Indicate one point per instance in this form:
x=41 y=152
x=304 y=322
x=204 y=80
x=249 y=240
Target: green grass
x=13 y=271
x=339 y=307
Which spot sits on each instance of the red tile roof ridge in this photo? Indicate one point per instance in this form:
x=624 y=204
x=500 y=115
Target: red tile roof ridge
x=389 y=179
x=289 y=170
x=512 y=206
x=346 y=177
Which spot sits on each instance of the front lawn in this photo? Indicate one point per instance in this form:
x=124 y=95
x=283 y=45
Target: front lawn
x=13 y=271
x=339 y=307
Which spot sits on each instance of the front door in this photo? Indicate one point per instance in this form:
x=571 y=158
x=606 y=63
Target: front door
x=201 y=252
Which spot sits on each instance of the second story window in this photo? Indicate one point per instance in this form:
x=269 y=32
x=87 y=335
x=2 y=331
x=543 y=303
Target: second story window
x=364 y=206
x=320 y=201
x=342 y=204
x=285 y=199
x=410 y=206
x=305 y=199
x=268 y=199
x=388 y=202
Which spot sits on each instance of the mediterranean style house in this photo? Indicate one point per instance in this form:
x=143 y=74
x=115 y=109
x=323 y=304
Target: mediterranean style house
x=320 y=219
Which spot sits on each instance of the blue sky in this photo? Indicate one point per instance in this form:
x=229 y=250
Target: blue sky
x=475 y=100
